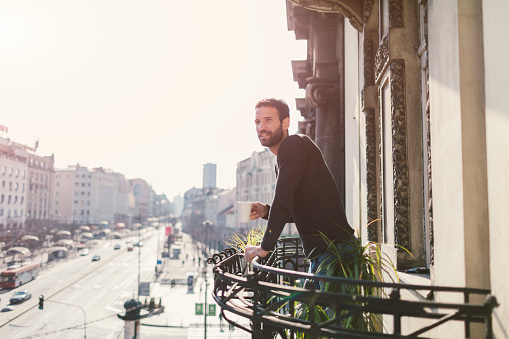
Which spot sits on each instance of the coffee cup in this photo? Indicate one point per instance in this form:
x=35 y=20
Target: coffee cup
x=243 y=211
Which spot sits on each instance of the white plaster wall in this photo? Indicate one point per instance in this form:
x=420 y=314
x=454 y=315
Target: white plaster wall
x=446 y=143
x=352 y=173
x=445 y=109
x=496 y=49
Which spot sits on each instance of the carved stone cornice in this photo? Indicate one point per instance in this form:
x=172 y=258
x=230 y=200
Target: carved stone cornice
x=301 y=72
x=371 y=165
x=399 y=153
x=351 y=9
x=381 y=57
x=396 y=14
x=318 y=91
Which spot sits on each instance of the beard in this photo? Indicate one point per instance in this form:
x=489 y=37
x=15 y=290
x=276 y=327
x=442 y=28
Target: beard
x=272 y=138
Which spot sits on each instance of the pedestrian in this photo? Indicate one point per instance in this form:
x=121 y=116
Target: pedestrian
x=306 y=193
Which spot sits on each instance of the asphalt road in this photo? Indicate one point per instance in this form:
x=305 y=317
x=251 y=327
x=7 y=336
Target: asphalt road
x=84 y=297
x=79 y=291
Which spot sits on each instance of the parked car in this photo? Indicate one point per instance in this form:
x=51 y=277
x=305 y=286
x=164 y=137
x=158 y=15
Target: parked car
x=96 y=258
x=20 y=296
x=116 y=247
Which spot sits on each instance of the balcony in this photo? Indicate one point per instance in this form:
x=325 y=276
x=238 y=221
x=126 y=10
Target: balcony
x=280 y=300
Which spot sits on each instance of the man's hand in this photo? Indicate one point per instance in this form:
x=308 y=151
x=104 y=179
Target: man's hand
x=258 y=210
x=253 y=251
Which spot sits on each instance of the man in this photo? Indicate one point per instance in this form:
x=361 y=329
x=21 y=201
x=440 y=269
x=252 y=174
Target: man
x=306 y=192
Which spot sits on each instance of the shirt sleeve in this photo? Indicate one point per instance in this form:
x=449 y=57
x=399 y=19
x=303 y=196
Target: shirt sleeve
x=292 y=159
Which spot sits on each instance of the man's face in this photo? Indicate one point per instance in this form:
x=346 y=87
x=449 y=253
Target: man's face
x=269 y=128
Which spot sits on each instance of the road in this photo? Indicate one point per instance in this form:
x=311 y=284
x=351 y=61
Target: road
x=80 y=289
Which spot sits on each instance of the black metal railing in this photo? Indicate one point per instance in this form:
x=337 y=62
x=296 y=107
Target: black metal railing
x=273 y=292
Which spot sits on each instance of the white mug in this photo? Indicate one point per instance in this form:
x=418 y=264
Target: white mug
x=243 y=211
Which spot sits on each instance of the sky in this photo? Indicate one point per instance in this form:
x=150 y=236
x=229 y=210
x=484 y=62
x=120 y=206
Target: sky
x=152 y=89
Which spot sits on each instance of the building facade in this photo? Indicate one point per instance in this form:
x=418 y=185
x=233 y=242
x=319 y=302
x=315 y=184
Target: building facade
x=13 y=189
x=256 y=181
x=82 y=196
x=405 y=100
x=209 y=175
x=41 y=173
x=141 y=198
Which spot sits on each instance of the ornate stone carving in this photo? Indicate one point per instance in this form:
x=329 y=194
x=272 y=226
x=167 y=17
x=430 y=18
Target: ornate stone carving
x=371 y=173
x=318 y=91
x=382 y=57
x=399 y=153
x=429 y=204
x=366 y=10
x=369 y=63
x=353 y=13
x=396 y=13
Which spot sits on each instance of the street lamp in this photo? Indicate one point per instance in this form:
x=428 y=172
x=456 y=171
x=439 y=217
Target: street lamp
x=207 y=224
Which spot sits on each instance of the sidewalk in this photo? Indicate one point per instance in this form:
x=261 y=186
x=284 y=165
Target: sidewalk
x=179 y=303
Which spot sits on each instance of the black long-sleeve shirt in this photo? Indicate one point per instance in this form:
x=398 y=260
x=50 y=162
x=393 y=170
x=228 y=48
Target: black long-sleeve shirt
x=307 y=195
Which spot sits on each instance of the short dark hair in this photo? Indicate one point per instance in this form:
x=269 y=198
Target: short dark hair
x=279 y=104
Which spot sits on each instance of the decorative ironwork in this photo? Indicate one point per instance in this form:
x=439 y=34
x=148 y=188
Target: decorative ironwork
x=269 y=296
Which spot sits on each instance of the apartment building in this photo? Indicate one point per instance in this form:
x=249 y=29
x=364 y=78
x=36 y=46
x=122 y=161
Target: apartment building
x=13 y=191
x=83 y=196
x=256 y=181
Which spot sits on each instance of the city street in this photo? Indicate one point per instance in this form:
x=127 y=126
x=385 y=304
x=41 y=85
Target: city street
x=79 y=291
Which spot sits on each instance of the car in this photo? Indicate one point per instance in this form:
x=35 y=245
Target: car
x=20 y=296
x=96 y=258
x=130 y=247
x=139 y=244
x=84 y=251
x=116 y=247
x=7 y=309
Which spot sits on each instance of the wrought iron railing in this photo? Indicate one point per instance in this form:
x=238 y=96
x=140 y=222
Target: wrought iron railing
x=272 y=291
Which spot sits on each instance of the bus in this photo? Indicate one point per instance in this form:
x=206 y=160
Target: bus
x=18 y=274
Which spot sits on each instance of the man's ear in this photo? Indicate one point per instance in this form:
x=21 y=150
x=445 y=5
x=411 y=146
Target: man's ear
x=286 y=124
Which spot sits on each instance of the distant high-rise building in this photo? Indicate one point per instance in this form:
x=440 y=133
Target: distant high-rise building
x=209 y=176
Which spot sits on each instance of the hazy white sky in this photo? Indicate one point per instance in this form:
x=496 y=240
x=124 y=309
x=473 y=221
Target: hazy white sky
x=152 y=89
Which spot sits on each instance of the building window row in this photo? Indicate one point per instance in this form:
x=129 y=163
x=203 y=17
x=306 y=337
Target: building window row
x=13 y=171
x=11 y=200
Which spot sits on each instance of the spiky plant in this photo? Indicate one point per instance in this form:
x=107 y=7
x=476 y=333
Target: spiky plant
x=359 y=262
x=253 y=237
